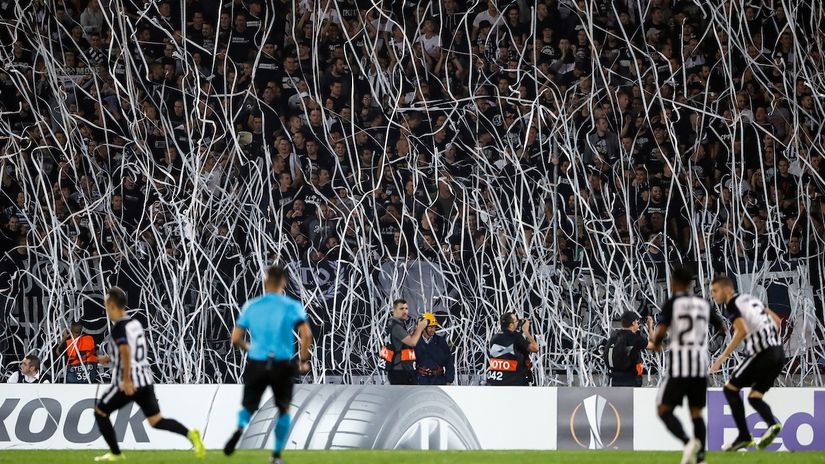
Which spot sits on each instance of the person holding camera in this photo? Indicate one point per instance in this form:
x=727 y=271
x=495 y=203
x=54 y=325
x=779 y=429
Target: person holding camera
x=623 y=351
x=398 y=350
x=510 y=353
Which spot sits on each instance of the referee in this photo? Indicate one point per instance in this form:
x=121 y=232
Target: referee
x=271 y=320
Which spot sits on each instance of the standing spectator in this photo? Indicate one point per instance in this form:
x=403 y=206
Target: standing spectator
x=603 y=143
x=95 y=56
x=29 y=372
x=81 y=353
x=92 y=18
x=398 y=351
x=240 y=40
x=491 y=15
x=433 y=357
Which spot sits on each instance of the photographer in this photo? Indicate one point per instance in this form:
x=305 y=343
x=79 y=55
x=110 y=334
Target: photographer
x=398 y=351
x=510 y=353
x=623 y=351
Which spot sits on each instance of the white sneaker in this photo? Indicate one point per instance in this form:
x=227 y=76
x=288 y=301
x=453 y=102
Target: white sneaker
x=691 y=450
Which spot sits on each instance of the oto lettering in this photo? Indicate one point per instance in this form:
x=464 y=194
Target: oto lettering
x=506 y=365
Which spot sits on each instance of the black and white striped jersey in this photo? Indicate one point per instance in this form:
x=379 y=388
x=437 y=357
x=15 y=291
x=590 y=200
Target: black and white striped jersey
x=128 y=331
x=688 y=318
x=762 y=332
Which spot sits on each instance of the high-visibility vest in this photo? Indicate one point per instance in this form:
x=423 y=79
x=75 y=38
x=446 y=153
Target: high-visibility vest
x=81 y=350
x=393 y=356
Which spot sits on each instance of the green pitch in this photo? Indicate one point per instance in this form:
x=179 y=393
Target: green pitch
x=412 y=457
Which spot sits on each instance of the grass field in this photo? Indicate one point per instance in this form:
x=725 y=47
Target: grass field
x=414 y=457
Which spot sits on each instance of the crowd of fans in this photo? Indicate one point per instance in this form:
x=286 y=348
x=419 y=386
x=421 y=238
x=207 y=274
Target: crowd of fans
x=496 y=139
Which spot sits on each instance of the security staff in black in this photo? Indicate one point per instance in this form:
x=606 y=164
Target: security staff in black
x=398 y=349
x=510 y=350
x=623 y=351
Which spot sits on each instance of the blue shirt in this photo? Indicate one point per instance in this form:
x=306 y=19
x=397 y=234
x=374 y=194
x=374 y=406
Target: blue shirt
x=271 y=320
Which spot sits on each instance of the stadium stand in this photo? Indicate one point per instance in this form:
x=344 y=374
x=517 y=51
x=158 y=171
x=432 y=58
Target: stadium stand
x=548 y=158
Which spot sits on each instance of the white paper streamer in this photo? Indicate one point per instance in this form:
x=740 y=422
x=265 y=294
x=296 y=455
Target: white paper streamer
x=508 y=195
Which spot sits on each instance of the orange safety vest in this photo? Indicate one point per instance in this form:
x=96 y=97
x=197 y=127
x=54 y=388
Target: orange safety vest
x=388 y=354
x=407 y=354
x=504 y=365
x=81 y=349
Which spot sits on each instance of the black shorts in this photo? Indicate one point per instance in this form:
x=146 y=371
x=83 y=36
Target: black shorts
x=675 y=389
x=144 y=397
x=760 y=371
x=261 y=374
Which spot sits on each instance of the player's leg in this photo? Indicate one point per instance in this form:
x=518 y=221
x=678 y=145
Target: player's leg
x=737 y=409
x=255 y=384
x=743 y=376
x=773 y=367
x=669 y=398
x=148 y=402
x=671 y=395
x=111 y=401
x=697 y=400
x=281 y=382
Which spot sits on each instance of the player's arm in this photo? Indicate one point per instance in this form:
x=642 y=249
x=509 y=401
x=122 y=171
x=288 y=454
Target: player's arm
x=659 y=335
x=239 y=332
x=126 y=380
x=661 y=329
x=717 y=321
x=305 y=334
x=739 y=334
x=239 y=338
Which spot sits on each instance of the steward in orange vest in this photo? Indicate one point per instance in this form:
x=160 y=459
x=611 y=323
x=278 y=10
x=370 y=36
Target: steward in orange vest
x=81 y=355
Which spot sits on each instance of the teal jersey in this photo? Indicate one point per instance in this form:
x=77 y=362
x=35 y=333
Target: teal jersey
x=271 y=320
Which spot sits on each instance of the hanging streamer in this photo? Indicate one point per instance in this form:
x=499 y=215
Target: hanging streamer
x=549 y=158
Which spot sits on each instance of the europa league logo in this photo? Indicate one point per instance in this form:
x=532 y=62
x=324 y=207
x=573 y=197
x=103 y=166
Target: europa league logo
x=603 y=420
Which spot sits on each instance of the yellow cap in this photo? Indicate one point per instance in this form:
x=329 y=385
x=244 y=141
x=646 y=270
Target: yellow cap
x=430 y=317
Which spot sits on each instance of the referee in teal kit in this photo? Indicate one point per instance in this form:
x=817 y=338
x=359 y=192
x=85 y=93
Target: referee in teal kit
x=271 y=320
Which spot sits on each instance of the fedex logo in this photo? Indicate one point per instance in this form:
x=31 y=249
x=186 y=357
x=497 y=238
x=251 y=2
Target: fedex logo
x=801 y=431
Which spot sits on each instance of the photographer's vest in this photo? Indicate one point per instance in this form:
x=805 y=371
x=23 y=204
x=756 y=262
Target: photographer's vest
x=396 y=355
x=506 y=365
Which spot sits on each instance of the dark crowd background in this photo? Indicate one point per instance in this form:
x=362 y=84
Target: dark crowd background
x=549 y=158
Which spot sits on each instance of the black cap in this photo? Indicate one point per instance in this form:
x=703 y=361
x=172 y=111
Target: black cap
x=629 y=317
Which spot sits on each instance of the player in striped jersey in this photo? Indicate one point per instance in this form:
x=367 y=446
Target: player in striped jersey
x=758 y=326
x=132 y=381
x=687 y=317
